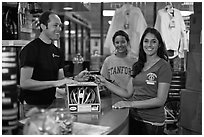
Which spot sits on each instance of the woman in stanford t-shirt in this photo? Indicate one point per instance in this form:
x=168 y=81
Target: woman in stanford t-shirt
x=148 y=88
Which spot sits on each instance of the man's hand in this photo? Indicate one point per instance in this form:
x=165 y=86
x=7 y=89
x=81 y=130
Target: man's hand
x=61 y=83
x=82 y=76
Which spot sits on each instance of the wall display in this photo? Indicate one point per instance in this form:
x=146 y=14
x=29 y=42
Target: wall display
x=9 y=89
x=9 y=23
x=25 y=18
x=130 y=19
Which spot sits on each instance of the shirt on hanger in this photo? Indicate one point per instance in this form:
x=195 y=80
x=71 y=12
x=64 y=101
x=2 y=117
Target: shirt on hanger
x=131 y=20
x=173 y=30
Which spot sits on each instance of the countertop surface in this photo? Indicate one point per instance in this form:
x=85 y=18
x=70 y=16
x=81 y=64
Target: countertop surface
x=116 y=119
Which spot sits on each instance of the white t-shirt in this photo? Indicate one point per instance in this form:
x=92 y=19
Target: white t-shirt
x=131 y=20
x=173 y=30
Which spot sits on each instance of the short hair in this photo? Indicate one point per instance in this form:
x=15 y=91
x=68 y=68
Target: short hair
x=44 y=18
x=120 y=33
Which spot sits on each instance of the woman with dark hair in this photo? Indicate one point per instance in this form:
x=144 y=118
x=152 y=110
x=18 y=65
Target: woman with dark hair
x=118 y=66
x=161 y=52
x=148 y=88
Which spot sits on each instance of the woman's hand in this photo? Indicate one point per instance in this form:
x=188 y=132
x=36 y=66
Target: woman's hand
x=122 y=104
x=102 y=80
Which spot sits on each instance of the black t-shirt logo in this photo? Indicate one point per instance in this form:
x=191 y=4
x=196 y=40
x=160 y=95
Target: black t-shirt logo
x=55 y=55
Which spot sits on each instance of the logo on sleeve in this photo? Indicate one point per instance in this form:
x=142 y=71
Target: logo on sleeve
x=151 y=78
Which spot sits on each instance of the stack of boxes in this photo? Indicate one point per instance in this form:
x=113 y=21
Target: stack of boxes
x=191 y=97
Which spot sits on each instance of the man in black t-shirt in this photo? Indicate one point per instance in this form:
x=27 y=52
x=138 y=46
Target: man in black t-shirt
x=41 y=64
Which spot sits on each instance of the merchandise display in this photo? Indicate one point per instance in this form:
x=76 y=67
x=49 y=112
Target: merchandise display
x=9 y=88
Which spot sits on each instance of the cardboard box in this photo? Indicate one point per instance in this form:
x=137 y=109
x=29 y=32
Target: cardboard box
x=83 y=97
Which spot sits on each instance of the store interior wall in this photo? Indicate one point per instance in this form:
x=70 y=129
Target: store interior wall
x=90 y=12
x=194 y=67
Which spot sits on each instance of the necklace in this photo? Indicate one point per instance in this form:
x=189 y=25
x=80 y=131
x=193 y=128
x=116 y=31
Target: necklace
x=149 y=64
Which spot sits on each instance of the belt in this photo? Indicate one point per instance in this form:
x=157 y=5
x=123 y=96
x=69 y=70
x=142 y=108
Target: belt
x=152 y=123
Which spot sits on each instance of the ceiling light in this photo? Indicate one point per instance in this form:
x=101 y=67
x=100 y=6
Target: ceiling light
x=72 y=31
x=108 y=12
x=68 y=8
x=186 y=13
x=66 y=31
x=187 y=3
x=66 y=22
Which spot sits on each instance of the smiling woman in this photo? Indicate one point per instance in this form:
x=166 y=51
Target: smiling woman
x=118 y=66
x=148 y=87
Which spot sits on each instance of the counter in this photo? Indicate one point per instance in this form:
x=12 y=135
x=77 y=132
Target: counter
x=116 y=119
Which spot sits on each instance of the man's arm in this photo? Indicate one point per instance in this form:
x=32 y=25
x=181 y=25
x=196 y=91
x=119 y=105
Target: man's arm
x=61 y=74
x=27 y=83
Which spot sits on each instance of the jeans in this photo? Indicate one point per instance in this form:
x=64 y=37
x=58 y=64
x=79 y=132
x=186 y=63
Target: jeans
x=141 y=128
